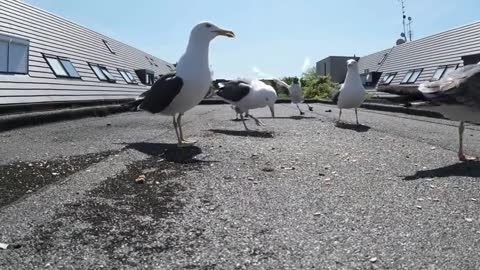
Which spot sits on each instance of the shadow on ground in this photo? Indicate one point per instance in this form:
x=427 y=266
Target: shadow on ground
x=244 y=133
x=466 y=169
x=171 y=152
x=354 y=127
x=294 y=117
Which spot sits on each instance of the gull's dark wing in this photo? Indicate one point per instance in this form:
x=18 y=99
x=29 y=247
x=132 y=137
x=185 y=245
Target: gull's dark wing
x=162 y=93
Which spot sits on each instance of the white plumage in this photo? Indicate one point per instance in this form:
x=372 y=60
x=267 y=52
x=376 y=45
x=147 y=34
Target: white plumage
x=352 y=93
x=296 y=95
x=247 y=95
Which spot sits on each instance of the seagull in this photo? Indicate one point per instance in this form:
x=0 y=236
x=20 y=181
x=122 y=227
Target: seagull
x=351 y=93
x=175 y=93
x=296 y=94
x=246 y=95
x=457 y=97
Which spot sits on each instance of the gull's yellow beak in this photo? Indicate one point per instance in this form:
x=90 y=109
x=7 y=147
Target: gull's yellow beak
x=226 y=33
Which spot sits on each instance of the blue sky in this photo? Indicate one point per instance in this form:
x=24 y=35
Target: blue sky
x=275 y=36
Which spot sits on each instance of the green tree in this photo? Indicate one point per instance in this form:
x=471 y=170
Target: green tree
x=316 y=86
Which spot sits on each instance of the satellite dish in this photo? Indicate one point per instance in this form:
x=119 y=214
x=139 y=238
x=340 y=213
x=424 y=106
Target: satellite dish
x=400 y=41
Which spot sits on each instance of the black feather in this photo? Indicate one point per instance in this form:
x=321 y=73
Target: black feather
x=335 y=96
x=234 y=90
x=162 y=93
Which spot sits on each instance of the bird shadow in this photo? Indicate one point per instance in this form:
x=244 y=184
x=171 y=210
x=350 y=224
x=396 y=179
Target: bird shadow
x=171 y=152
x=239 y=120
x=354 y=127
x=468 y=169
x=244 y=133
x=294 y=117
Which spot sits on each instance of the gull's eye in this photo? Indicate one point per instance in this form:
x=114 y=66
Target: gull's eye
x=208 y=25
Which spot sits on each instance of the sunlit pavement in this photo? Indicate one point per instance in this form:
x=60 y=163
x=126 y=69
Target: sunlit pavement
x=300 y=192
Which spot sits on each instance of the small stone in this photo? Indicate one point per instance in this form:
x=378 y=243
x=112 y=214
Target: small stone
x=473 y=199
x=424 y=168
x=373 y=260
x=436 y=200
x=418 y=206
x=321 y=174
x=55 y=174
x=140 y=179
x=109 y=125
x=268 y=169
x=29 y=191
x=420 y=199
x=317 y=214
x=3 y=246
x=468 y=219
x=328 y=179
x=328 y=111
x=433 y=148
x=432 y=186
x=250 y=178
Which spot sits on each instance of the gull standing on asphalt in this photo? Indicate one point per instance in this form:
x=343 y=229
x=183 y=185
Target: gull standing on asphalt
x=296 y=94
x=352 y=93
x=175 y=93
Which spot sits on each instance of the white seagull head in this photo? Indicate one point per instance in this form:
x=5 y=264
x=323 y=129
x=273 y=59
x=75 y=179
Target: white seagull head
x=207 y=31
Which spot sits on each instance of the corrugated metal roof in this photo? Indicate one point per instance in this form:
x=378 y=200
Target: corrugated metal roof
x=49 y=34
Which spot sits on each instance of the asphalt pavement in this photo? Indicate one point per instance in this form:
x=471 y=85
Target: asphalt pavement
x=114 y=192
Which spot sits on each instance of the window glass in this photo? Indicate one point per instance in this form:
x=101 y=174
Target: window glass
x=72 y=72
x=407 y=76
x=3 y=56
x=108 y=46
x=390 y=78
x=107 y=74
x=130 y=76
x=18 y=58
x=56 y=67
x=438 y=73
x=415 y=76
x=99 y=73
x=125 y=77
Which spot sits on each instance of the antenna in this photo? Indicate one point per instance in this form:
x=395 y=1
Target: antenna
x=410 y=32
x=403 y=18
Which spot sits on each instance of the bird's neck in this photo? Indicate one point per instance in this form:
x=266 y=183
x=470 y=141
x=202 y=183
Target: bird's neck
x=194 y=59
x=353 y=78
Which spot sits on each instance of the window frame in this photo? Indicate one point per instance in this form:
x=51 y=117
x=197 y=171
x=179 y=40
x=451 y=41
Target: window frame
x=21 y=41
x=443 y=68
x=388 y=78
x=409 y=76
x=128 y=76
x=107 y=44
x=105 y=72
x=446 y=69
x=60 y=59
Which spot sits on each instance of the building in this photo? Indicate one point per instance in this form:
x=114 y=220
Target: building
x=403 y=67
x=334 y=66
x=47 y=59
